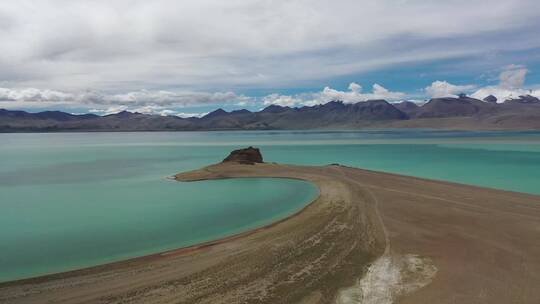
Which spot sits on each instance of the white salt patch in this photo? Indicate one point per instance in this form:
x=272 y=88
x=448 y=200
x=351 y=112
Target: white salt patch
x=388 y=278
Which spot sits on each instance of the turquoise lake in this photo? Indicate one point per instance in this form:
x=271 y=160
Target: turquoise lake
x=71 y=200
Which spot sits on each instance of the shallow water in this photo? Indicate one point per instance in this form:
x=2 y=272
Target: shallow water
x=80 y=199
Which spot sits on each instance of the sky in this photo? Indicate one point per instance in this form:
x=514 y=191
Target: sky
x=190 y=57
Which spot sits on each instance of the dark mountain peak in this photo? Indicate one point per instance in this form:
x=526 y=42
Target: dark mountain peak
x=275 y=109
x=377 y=109
x=332 y=105
x=242 y=111
x=216 y=113
x=490 y=99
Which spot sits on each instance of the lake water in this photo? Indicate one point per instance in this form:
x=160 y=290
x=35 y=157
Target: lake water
x=80 y=199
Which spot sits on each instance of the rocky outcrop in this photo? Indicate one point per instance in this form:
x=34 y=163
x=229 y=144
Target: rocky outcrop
x=248 y=156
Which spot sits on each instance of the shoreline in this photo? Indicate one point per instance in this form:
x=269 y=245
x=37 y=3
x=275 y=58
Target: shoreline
x=315 y=254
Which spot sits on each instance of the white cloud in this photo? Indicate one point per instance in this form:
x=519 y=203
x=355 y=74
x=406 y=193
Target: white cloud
x=281 y=100
x=380 y=92
x=328 y=94
x=137 y=98
x=154 y=102
x=513 y=77
x=445 y=89
x=32 y=94
x=511 y=85
x=172 y=98
x=355 y=94
x=355 y=87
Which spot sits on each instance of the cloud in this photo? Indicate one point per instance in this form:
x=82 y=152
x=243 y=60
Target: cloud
x=380 y=92
x=513 y=77
x=137 y=98
x=167 y=102
x=31 y=94
x=445 y=89
x=205 y=45
x=355 y=94
x=328 y=94
x=154 y=102
x=144 y=97
x=281 y=100
x=511 y=85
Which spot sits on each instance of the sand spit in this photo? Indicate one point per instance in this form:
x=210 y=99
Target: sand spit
x=370 y=235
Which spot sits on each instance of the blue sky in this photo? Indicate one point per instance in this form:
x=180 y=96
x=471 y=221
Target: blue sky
x=190 y=57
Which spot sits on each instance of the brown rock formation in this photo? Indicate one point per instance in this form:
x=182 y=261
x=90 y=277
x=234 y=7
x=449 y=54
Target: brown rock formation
x=248 y=156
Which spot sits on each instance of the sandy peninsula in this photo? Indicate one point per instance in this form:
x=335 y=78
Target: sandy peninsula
x=369 y=237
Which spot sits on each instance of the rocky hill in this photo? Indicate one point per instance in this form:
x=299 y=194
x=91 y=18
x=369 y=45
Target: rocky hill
x=247 y=156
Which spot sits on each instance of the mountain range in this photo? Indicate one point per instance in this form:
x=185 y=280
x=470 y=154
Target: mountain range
x=461 y=112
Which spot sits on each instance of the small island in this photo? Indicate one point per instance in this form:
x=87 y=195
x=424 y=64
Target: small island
x=369 y=237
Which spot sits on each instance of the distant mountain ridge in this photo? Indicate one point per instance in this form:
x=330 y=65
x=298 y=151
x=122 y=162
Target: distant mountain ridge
x=448 y=113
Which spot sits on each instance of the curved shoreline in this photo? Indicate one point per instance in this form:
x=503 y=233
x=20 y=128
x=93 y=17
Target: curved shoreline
x=311 y=256
x=175 y=251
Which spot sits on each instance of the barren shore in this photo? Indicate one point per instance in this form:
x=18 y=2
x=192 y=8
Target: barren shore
x=370 y=236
